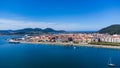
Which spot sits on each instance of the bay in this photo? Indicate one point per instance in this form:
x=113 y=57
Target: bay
x=54 y=56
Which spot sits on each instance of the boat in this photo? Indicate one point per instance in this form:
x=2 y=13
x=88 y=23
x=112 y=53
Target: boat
x=74 y=47
x=110 y=64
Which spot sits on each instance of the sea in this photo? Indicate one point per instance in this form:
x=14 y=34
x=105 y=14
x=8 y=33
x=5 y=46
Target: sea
x=55 y=56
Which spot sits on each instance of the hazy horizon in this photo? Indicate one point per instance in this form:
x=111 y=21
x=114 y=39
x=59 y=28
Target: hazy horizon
x=68 y=15
x=53 y=29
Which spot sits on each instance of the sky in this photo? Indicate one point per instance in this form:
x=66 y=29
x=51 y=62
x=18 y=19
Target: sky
x=69 y=15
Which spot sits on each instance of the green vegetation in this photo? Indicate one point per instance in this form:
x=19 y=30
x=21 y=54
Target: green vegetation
x=31 y=31
x=113 y=29
x=105 y=43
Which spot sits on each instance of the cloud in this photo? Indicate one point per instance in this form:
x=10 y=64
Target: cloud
x=19 y=24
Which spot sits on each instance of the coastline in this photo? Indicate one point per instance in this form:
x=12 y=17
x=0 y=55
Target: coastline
x=80 y=45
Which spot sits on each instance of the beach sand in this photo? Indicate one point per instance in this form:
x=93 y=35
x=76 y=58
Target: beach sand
x=81 y=45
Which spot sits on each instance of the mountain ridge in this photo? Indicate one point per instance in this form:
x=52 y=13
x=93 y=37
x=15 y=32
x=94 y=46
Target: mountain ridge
x=112 y=29
x=31 y=31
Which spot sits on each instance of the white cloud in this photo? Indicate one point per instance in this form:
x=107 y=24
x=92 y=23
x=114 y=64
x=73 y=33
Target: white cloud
x=92 y=21
x=19 y=24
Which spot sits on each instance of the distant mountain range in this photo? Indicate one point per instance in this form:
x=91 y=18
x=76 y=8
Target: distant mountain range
x=113 y=29
x=30 y=31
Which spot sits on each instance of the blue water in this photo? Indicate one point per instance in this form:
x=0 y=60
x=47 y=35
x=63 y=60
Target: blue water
x=54 y=56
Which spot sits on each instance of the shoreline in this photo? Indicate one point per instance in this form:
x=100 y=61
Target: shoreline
x=80 y=45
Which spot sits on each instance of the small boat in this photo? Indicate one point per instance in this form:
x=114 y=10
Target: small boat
x=110 y=64
x=74 y=47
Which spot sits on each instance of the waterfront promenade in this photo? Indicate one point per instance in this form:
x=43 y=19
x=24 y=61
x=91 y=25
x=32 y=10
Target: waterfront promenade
x=79 y=45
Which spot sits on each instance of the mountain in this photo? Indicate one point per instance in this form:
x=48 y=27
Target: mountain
x=113 y=29
x=49 y=30
x=5 y=32
x=30 y=31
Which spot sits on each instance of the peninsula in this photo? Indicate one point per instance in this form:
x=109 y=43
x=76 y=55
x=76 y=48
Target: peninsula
x=71 y=39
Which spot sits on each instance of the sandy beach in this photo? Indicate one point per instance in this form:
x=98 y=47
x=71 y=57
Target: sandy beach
x=80 y=45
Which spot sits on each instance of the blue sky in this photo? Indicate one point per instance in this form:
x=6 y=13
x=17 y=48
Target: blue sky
x=70 y=15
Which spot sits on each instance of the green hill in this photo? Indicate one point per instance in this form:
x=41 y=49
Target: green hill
x=113 y=29
x=30 y=31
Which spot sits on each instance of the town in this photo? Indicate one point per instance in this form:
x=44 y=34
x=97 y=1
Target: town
x=71 y=38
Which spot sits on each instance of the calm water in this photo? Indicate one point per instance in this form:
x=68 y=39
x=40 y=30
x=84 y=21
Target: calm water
x=51 y=56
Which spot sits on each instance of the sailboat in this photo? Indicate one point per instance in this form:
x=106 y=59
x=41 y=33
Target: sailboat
x=110 y=64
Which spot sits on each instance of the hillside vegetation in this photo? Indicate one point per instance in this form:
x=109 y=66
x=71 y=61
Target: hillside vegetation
x=113 y=29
